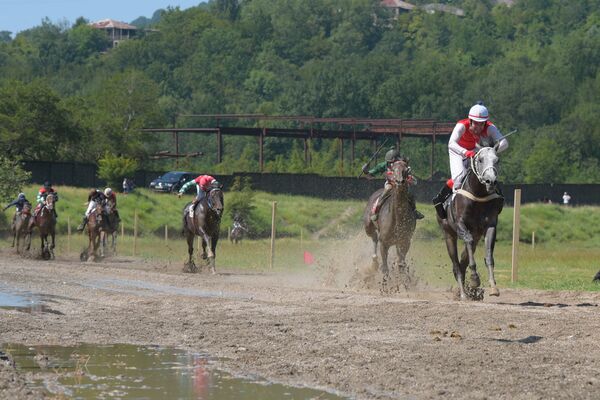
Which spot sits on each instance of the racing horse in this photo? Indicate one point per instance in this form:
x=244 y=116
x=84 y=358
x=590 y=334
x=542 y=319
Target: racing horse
x=237 y=232
x=95 y=222
x=20 y=226
x=473 y=213
x=45 y=221
x=204 y=221
x=109 y=228
x=396 y=222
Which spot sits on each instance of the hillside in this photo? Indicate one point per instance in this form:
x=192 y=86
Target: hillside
x=534 y=64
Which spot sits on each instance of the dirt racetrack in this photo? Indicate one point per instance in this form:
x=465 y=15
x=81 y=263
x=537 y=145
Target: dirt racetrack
x=292 y=329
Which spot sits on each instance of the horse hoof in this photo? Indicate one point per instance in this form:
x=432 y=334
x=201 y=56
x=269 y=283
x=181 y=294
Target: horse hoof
x=494 y=292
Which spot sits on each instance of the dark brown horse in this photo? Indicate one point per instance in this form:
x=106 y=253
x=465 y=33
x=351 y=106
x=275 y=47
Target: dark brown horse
x=396 y=223
x=206 y=223
x=45 y=221
x=472 y=214
x=95 y=222
x=109 y=228
x=20 y=225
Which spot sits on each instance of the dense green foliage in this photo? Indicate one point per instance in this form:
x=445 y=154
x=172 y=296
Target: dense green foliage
x=12 y=178
x=113 y=168
x=535 y=64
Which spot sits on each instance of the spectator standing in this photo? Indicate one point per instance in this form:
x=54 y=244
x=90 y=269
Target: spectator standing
x=566 y=199
x=125 y=186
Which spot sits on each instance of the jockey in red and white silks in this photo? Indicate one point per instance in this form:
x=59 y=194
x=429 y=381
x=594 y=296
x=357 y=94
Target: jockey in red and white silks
x=466 y=135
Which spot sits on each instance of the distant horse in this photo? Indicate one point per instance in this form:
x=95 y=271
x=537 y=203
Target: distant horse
x=109 y=228
x=237 y=232
x=472 y=213
x=396 y=222
x=95 y=222
x=45 y=221
x=206 y=223
x=20 y=226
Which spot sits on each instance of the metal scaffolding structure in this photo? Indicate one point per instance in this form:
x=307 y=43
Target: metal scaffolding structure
x=307 y=128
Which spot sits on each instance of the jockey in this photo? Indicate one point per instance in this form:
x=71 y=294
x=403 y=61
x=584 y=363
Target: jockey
x=466 y=135
x=41 y=197
x=110 y=195
x=203 y=184
x=391 y=156
x=237 y=225
x=95 y=197
x=18 y=203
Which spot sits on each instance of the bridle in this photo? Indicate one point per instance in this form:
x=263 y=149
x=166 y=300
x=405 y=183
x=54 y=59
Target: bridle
x=209 y=200
x=404 y=173
x=479 y=174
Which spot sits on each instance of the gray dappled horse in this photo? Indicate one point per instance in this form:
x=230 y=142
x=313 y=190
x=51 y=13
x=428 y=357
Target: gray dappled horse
x=206 y=223
x=20 y=226
x=472 y=213
x=46 y=223
x=396 y=222
x=237 y=233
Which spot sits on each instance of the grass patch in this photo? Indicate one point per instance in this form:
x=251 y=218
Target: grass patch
x=565 y=256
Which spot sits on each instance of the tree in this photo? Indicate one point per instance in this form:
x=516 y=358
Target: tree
x=34 y=122
x=240 y=203
x=125 y=103
x=12 y=178
x=113 y=168
x=5 y=36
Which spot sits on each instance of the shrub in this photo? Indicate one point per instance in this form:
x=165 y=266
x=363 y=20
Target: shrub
x=12 y=178
x=114 y=168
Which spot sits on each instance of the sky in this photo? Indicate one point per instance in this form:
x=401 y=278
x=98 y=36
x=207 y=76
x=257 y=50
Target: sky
x=19 y=15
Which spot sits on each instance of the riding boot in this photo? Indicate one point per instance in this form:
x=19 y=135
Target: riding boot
x=439 y=199
x=83 y=224
x=193 y=207
x=499 y=191
x=55 y=214
x=413 y=205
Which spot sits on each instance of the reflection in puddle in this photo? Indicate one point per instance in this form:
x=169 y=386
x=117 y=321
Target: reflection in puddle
x=140 y=372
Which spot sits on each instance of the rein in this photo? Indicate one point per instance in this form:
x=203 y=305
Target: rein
x=471 y=196
x=478 y=174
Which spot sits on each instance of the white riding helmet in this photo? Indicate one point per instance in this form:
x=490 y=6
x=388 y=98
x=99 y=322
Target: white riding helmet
x=479 y=113
x=108 y=191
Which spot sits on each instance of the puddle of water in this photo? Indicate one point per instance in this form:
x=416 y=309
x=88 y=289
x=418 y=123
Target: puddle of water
x=140 y=372
x=23 y=301
x=136 y=284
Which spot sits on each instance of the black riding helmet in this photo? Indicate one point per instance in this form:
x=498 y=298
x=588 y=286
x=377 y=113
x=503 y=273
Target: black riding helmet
x=47 y=184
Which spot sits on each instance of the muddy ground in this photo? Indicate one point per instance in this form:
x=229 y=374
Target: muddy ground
x=293 y=329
